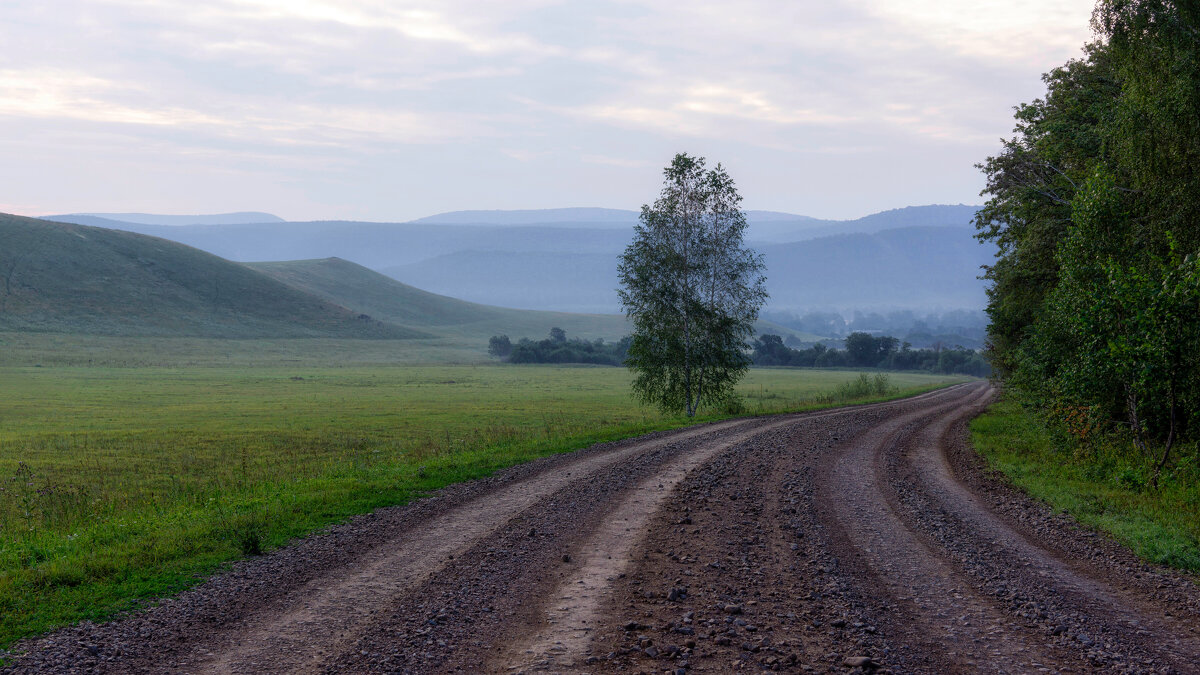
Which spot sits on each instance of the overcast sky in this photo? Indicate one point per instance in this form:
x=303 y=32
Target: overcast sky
x=391 y=110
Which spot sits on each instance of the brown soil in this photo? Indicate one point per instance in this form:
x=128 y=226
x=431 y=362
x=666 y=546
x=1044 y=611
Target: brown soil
x=865 y=538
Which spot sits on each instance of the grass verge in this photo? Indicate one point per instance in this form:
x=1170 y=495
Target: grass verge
x=119 y=485
x=1105 y=487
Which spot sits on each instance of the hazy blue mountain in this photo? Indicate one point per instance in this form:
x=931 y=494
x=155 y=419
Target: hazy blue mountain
x=753 y=217
x=572 y=268
x=907 y=268
x=903 y=268
x=239 y=218
x=378 y=245
x=561 y=217
x=932 y=215
x=387 y=245
x=584 y=282
x=781 y=230
x=580 y=217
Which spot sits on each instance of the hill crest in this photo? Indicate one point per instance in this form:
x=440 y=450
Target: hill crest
x=68 y=278
x=237 y=218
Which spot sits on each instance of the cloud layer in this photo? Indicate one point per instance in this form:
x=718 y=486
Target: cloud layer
x=387 y=110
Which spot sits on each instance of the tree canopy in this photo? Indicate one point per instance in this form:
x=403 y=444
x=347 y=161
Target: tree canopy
x=1095 y=297
x=691 y=290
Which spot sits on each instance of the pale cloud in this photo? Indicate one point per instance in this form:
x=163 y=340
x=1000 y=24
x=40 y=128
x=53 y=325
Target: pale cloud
x=1016 y=31
x=536 y=101
x=47 y=94
x=616 y=161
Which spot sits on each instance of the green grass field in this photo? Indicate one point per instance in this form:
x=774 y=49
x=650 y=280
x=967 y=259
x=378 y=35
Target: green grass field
x=122 y=484
x=1106 y=489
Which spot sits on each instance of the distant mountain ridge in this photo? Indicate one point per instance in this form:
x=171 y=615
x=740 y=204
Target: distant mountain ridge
x=764 y=225
x=572 y=267
x=239 y=218
x=532 y=217
x=385 y=298
x=903 y=268
x=577 y=216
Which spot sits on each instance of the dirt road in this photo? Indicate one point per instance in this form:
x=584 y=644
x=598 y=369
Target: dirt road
x=864 y=537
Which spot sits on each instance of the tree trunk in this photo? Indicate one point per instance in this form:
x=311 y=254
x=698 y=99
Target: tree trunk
x=1170 y=441
x=1134 y=423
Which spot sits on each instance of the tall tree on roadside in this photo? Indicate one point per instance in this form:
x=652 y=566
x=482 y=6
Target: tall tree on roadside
x=1032 y=183
x=691 y=289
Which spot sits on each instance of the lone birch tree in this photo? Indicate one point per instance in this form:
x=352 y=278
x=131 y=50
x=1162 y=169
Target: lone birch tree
x=691 y=290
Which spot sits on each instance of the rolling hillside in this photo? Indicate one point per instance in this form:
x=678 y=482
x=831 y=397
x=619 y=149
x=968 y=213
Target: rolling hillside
x=571 y=267
x=70 y=278
x=389 y=300
x=386 y=299
x=375 y=245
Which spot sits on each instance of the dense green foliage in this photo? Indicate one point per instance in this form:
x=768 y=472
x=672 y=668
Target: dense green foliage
x=691 y=290
x=558 y=349
x=1095 y=298
x=865 y=350
x=124 y=483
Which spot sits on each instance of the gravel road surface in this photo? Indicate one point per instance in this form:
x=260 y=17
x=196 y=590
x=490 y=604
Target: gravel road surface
x=864 y=539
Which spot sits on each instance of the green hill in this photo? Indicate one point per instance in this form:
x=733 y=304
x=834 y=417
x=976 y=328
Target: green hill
x=386 y=299
x=65 y=278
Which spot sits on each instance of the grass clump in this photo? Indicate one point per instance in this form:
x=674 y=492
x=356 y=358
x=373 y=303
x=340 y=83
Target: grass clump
x=1104 y=484
x=863 y=387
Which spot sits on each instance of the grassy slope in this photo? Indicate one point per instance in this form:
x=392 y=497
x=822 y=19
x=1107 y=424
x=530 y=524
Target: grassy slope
x=384 y=298
x=72 y=278
x=59 y=279
x=1107 y=491
x=158 y=475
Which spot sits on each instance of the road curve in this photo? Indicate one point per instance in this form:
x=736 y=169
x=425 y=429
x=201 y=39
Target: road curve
x=867 y=537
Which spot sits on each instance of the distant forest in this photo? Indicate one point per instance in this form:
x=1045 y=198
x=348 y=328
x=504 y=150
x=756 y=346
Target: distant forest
x=862 y=350
x=558 y=349
x=868 y=351
x=932 y=330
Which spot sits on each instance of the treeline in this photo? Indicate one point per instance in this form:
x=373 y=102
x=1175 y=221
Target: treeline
x=558 y=349
x=926 y=330
x=1094 y=304
x=868 y=351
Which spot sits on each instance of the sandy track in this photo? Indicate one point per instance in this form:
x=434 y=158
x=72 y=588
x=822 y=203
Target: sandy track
x=803 y=543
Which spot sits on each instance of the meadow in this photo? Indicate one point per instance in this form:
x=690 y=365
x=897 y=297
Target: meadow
x=119 y=485
x=1105 y=486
